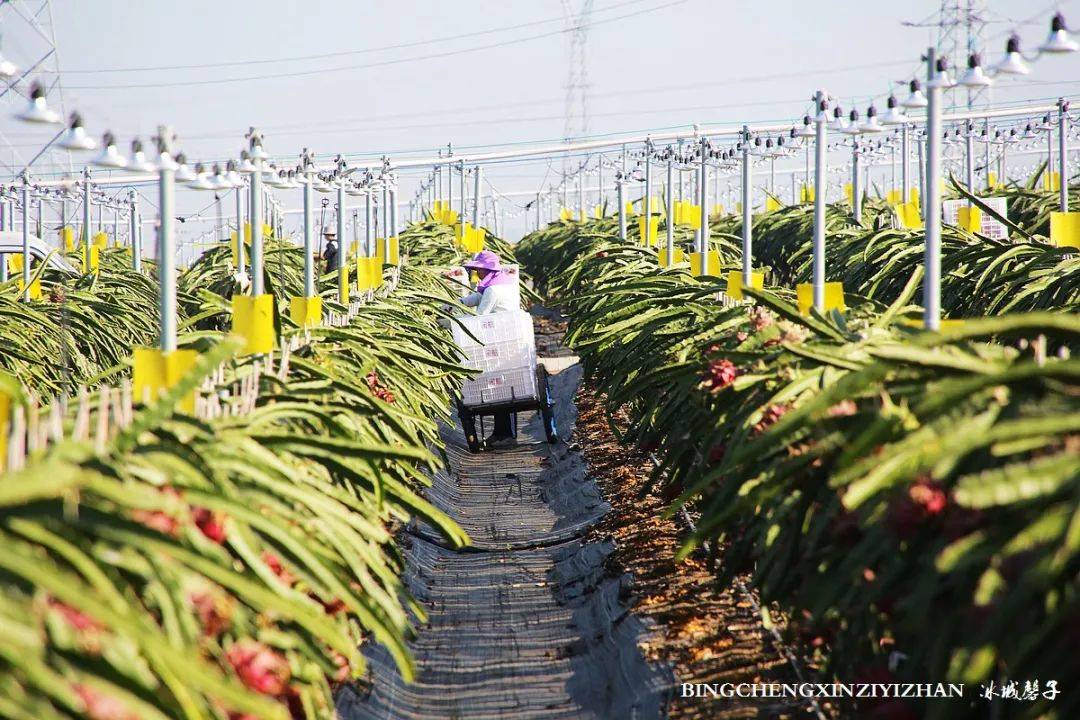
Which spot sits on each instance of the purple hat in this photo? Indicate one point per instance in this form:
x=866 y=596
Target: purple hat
x=484 y=260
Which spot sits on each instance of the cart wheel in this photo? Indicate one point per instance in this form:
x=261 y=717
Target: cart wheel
x=468 y=424
x=547 y=405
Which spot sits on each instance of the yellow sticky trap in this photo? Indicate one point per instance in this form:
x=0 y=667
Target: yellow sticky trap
x=894 y=197
x=678 y=253
x=991 y=180
x=654 y=227
x=598 y=212
x=395 y=251
x=368 y=273
x=67 y=234
x=718 y=210
x=91 y=256
x=806 y=193
x=735 y=283
x=1065 y=229
x=306 y=311
x=101 y=240
x=849 y=193
x=629 y=209
x=565 y=214
x=155 y=371
x=913 y=196
x=692 y=215
x=712 y=264
x=253 y=320
x=834 y=297
x=970 y=218
x=1051 y=181
x=343 y=285
x=771 y=204
x=738 y=208
x=15 y=262
x=908 y=215
x=35 y=288
x=474 y=243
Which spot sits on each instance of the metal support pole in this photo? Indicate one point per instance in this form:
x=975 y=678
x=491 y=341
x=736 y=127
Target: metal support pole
x=932 y=204
x=392 y=231
x=986 y=152
x=646 y=208
x=342 y=244
x=600 y=183
x=922 y=177
x=461 y=179
x=747 y=211
x=136 y=231
x=539 y=202
x=166 y=250
x=819 y=203
x=905 y=156
x=669 y=197
x=256 y=215
x=581 y=193
x=856 y=185
x=476 y=197
x=703 y=196
x=969 y=157
x=1063 y=154
x=241 y=262
x=309 y=235
x=622 y=207
x=806 y=177
x=368 y=234
x=86 y=220
x=25 y=237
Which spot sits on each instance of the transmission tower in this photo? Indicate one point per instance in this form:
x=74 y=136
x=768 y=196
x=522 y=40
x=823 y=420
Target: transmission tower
x=577 y=75
x=960 y=25
x=29 y=40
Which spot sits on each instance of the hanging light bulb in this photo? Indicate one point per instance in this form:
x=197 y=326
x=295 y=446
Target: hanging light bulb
x=1029 y=133
x=1045 y=125
x=354 y=190
x=235 y=178
x=246 y=166
x=975 y=77
x=1059 y=41
x=220 y=180
x=942 y=79
x=1013 y=62
x=871 y=124
x=893 y=114
x=201 y=180
x=806 y=130
x=838 y=123
x=37 y=110
x=320 y=185
x=7 y=68
x=76 y=138
x=109 y=157
x=137 y=162
x=853 y=127
x=915 y=98
x=184 y=173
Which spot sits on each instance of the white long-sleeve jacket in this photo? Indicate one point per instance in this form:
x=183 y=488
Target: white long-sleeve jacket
x=496 y=298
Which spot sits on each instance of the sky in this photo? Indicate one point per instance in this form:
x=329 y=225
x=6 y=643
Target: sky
x=367 y=78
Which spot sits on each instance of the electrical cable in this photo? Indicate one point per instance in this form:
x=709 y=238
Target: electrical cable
x=383 y=63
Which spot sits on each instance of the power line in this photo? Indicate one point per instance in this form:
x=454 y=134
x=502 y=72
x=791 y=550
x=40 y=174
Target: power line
x=342 y=53
x=384 y=63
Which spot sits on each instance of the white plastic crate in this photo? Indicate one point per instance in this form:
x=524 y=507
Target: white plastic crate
x=500 y=386
x=460 y=276
x=512 y=325
x=497 y=356
x=988 y=226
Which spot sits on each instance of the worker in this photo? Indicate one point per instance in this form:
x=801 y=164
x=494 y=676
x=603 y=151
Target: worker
x=496 y=291
x=330 y=251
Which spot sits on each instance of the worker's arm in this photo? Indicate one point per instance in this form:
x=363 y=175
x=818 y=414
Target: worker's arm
x=487 y=302
x=472 y=299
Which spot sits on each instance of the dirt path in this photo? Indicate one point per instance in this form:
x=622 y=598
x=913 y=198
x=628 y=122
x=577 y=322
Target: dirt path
x=531 y=621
